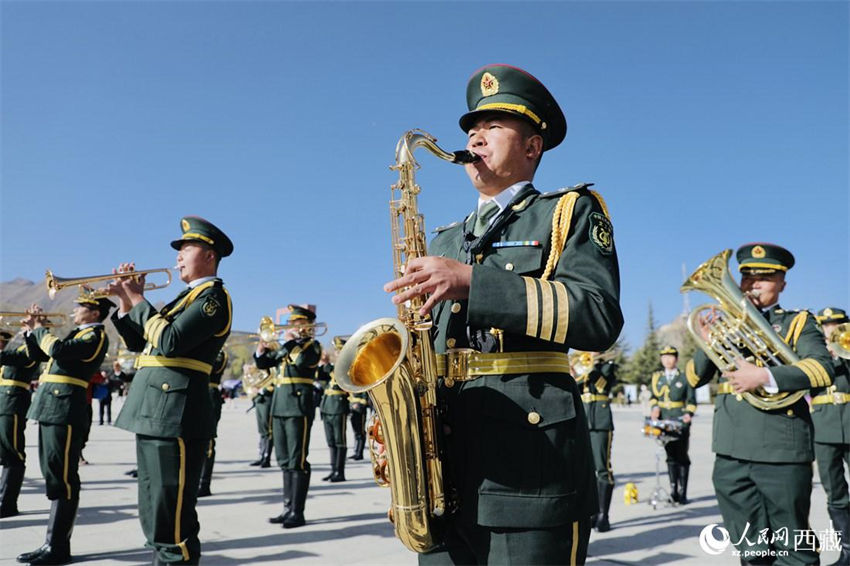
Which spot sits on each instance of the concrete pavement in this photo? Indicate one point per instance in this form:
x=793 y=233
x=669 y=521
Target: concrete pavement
x=346 y=522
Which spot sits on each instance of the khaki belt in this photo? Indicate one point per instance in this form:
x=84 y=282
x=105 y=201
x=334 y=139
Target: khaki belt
x=288 y=380
x=145 y=361
x=591 y=398
x=52 y=378
x=837 y=398
x=466 y=365
x=336 y=392
x=12 y=382
x=725 y=388
x=671 y=404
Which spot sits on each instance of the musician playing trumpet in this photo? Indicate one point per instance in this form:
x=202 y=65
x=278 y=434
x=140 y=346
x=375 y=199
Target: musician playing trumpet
x=762 y=470
x=168 y=406
x=292 y=409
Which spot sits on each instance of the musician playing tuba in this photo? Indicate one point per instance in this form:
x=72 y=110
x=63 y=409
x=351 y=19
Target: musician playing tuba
x=509 y=295
x=762 y=471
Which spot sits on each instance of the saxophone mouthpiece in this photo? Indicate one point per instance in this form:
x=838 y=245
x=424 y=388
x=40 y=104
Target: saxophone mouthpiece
x=465 y=156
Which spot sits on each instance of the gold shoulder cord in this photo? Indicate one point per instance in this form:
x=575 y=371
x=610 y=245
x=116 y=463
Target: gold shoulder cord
x=561 y=221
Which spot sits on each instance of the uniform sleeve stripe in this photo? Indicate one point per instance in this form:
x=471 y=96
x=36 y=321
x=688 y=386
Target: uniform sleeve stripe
x=816 y=373
x=154 y=328
x=548 y=310
x=47 y=342
x=691 y=374
x=653 y=402
x=563 y=311
x=691 y=408
x=531 y=300
x=600 y=384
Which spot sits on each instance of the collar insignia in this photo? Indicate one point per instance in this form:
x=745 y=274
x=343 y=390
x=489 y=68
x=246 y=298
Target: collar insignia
x=489 y=85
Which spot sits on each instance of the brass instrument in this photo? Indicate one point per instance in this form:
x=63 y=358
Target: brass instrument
x=56 y=284
x=737 y=328
x=257 y=380
x=581 y=364
x=270 y=332
x=19 y=315
x=393 y=360
x=839 y=341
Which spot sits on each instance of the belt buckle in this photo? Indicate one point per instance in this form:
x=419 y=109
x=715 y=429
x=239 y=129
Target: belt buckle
x=457 y=365
x=838 y=398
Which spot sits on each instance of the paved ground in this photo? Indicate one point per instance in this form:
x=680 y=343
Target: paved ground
x=347 y=521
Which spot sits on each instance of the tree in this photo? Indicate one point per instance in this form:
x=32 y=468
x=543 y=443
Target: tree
x=644 y=362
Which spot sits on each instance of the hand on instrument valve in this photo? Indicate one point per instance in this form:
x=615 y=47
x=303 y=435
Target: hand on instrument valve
x=747 y=377
x=705 y=321
x=441 y=277
x=33 y=321
x=129 y=290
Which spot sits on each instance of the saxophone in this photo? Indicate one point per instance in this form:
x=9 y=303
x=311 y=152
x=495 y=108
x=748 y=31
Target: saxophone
x=393 y=360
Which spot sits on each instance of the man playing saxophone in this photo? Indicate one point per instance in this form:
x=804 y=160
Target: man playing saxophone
x=509 y=295
x=762 y=471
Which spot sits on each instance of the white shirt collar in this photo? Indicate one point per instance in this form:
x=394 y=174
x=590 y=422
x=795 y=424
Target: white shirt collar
x=504 y=198
x=200 y=281
x=88 y=324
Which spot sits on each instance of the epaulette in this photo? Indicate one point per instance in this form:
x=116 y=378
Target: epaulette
x=561 y=191
x=658 y=374
x=444 y=228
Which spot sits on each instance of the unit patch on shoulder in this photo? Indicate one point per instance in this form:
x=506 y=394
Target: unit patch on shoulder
x=210 y=307
x=88 y=336
x=601 y=233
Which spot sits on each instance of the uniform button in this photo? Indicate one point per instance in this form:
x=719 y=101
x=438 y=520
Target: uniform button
x=56 y=392
x=533 y=417
x=165 y=386
x=451 y=342
x=455 y=308
x=790 y=412
x=509 y=266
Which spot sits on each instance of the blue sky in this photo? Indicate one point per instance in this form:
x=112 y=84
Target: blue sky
x=704 y=125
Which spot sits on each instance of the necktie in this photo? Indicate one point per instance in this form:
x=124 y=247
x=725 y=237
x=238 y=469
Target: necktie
x=482 y=219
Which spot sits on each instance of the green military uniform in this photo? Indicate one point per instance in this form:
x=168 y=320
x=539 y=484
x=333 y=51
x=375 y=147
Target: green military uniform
x=358 y=404
x=675 y=398
x=261 y=404
x=831 y=418
x=292 y=415
x=219 y=366
x=762 y=472
x=334 y=411
x=519 y=450
x=595 y=394
x=168 y=405
x=17 y=370
x=59 y=406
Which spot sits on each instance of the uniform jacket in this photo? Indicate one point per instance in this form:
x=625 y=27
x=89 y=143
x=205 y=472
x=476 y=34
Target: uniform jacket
x=299 y=359
x=335 y=399
x=171 y=401
x=513 y=473
x=677 y=392
x=16 y=366
x=832 y=421
x=599 y=382
x=78 y=356
x=784 y=435
x=217 y=401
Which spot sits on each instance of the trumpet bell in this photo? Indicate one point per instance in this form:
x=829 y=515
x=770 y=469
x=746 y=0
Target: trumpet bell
x=839 y=341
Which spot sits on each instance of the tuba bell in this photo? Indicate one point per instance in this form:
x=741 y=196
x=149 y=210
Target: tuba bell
x=737 y=330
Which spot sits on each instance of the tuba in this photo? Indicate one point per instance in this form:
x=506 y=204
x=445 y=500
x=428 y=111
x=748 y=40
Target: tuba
x=737 y=330
x=393 y=360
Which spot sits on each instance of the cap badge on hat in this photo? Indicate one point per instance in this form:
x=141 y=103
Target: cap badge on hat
x=827 y=312
x=758 y=252
x=185 y=225
x=489 y=85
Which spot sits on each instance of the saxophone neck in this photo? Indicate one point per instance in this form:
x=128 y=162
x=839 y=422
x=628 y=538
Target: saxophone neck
x=413 y=139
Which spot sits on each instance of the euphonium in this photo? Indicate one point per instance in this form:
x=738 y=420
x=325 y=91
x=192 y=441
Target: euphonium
x=737 y=330
x=839 y=341
x=393 y=360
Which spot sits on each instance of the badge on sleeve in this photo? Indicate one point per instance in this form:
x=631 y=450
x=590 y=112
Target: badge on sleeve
x=601 y=233
x=88 y=336
x=210 y=307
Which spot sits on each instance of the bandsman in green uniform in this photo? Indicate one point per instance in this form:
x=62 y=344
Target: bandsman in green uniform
x=763 y=467
x=596 y=395
x=511 y=288
x=59 y=406
x=358 y=404
x=168 y=406
x=17 y=370
x=831 y=417
x=674 y=399
x=261 y=402
x=334 y=411
x=217 y=401
x=292 y=410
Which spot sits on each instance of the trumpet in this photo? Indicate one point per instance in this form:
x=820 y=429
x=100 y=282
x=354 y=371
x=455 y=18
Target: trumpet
x=839 y=341
x=19 y=315
x=270 y=332
x=56 y=284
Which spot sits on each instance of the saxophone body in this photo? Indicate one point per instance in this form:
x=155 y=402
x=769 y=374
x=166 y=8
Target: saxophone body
x=393 y=359
x=737 y=330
